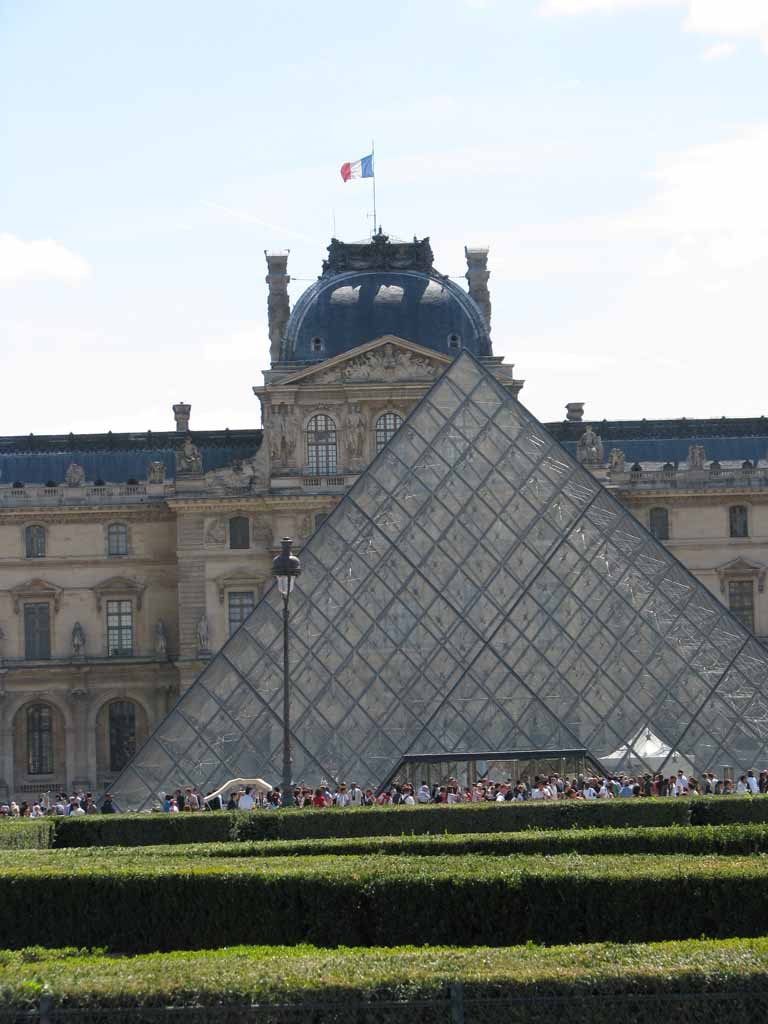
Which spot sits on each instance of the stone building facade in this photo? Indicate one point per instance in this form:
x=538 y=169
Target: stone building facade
x=127 y=559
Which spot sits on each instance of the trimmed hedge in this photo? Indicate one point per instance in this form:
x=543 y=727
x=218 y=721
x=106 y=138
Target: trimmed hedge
x=134 y=903
x=221 y=826
x=681 y=983
x=26 y=834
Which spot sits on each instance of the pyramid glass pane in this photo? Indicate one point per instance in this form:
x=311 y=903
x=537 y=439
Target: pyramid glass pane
x=476 y=590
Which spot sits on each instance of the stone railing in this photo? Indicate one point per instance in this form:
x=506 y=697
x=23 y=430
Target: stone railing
x=690 y=479
x=36 y=495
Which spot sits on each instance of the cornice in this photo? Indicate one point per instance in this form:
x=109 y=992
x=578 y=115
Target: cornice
x=101 y=513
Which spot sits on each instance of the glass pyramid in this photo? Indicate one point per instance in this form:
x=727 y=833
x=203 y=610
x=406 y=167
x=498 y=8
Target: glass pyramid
x=475 y=590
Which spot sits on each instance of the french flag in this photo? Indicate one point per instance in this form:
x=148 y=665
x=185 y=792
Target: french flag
x=362 y=168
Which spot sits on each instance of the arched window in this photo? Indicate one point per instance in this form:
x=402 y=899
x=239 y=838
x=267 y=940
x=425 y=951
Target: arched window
x=738 y=521
x=386 y=426
x=321 y=445
x=39 y=740
x=122 y=734
x=117 y=539
x=34 y=538
x=659 y=523
x=239 y=532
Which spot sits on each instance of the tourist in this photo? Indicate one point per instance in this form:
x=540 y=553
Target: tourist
x=752 y=783
x=245 y=803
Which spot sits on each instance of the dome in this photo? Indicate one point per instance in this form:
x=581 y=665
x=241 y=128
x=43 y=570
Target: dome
x=373 y=289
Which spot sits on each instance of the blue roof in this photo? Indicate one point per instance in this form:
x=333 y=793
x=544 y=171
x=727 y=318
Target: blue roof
x=675 y=449
x=345 y=310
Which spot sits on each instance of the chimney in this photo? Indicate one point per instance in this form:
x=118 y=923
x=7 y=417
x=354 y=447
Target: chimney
x=181 y=412
x=278 y=303
x=477 y=275
x=575 y=412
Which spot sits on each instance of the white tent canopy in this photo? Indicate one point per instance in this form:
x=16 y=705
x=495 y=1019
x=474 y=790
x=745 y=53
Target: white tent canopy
x=234 y=784
x=647 y=752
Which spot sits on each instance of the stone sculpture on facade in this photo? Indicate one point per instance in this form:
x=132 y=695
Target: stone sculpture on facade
x=387 y=363
x=216 y=532
x=161 y=638
x=356 y=427
x=156 y=472
x=283 y=428
x=203 y=638
x=616 y=460
x=75 y=475
x=696 y=456
x=78 y=641
x=589 y=448
x=189 y=461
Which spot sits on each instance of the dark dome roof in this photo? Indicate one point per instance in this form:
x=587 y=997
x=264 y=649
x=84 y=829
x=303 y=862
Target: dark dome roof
x=371 y=289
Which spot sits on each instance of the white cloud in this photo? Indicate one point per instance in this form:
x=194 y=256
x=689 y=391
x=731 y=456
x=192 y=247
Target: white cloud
x=39 y=260
x=554 y=8
x=720 y=51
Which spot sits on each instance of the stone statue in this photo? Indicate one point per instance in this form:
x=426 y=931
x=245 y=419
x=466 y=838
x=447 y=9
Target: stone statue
x=356 y=427
x=156 y=473
x=696 y=456
x=161 y=638
x=284 y=425
x=203 y=638
x=616 y=460
x=188 y=459
x=216 y=532
x=589 y=447
x=75 y=475
x=78 y=641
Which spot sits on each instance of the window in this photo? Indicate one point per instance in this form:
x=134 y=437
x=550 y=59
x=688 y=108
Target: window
x=39 y=740
x=386 y=426
x=122 y=734
x=659 y=523
x=117 y=539
x=317 y=344
x=239 y=532
x=37 y=631
x=741 y=601
x=454 y=341
x=321 y=445
x=119 y=629
x=738 y=521
x=240 y=606
x=34 y=537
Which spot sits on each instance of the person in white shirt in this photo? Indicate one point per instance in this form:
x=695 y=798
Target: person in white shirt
x=245 y=803
x=408 y=796
x=341 y=799
x=752 y=784
x=355 y=796
x=589 y=791
x=424 y=796
x=682 y=782
x=741 y=785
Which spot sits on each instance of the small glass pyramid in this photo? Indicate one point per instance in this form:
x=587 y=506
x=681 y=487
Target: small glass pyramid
x=476 y=589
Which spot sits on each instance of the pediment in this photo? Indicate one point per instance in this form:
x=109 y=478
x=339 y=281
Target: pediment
x=38 y=589
x=119 y=585
x=384 y=360
x=240 y=578
x=744 y=568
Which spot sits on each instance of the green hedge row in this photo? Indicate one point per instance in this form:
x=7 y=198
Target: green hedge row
x=681 y=983
x=153 y=829
x=135 y=903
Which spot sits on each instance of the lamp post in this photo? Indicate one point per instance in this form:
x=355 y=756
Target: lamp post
x=285 y=568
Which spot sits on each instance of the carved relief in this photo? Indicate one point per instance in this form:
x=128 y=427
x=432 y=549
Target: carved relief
x=215 y=531
x=589 y=448
x=261 y=530
x=616 y=460
x=156 y=472
x=284 y=427
x=696 y=456
x=386 y=363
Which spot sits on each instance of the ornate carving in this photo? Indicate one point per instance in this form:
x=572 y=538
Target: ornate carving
x=203 y=638
x=696 y=456
x=261 y=530
x=386 y=363
x=156 y=473
x=284 y=426
x=119 y=585
x=78 y=641
x=251 y=473
x=75 y=475
x=589 y=448
x=616 y=460
x=378 y=254
x=161 y=639
x=37 y=590
x=189 y=461
x=356 y=427
x=738 y=569
x=215 y=531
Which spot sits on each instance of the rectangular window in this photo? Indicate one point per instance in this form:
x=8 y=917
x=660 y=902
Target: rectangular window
x=34 y=539
x=119 y=629
x=37 y=631
x=741 y=601
x=39 y=740
x=117 y=539
x=240 y=606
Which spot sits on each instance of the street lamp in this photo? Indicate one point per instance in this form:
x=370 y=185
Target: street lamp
x=285 y=568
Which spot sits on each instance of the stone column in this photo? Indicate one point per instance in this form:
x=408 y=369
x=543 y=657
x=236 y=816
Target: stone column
x=278 y=303
x=477 y=275
x=81 y=776
x=6 y=744
x=191 y=588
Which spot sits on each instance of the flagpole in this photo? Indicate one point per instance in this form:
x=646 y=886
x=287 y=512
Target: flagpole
x=373 y=164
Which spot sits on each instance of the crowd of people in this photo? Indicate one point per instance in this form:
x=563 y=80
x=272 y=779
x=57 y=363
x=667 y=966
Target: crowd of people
x=581 y=786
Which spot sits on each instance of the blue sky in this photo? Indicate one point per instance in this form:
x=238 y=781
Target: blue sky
x=612 y=153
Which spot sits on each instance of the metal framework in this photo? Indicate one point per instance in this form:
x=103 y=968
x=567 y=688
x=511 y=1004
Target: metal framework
x=476 y=589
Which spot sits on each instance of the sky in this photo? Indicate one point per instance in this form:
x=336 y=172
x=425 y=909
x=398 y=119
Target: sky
x=612 y=153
